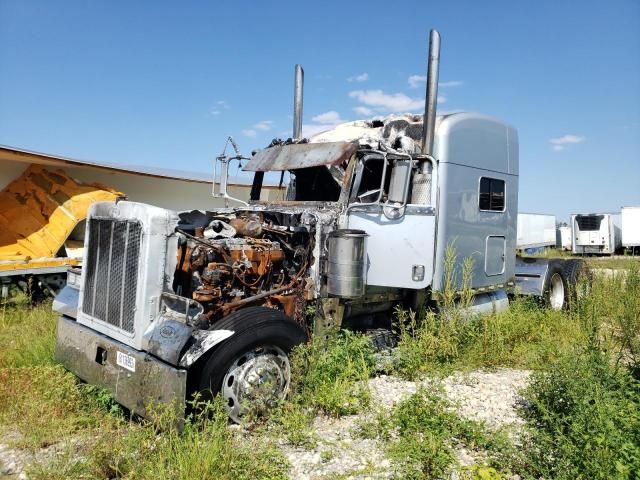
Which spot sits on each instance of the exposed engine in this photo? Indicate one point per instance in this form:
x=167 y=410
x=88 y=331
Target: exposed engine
x=249 y=258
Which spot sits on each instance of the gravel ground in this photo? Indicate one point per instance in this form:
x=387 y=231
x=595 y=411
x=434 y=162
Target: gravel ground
x=338 y=452
x=12 y=463
x=489 y=397
x=485 y=396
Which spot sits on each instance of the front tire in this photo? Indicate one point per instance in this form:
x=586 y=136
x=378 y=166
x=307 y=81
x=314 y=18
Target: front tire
x=251 y=369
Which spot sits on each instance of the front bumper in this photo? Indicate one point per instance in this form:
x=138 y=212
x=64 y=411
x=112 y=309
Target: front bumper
x=144 y=385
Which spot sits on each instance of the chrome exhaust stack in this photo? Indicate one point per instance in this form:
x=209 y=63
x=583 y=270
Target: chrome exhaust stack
x=297 y=102
x=298 y=86
x=433 y=65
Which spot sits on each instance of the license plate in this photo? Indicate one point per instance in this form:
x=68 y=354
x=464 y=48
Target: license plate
x=126 y=361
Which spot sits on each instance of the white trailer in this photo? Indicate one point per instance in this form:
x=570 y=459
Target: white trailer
x=536 y=230
x=596 y=233
x=630 y=226
x=563 y=238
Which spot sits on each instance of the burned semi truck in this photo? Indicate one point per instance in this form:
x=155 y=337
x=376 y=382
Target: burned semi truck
x=172 y=303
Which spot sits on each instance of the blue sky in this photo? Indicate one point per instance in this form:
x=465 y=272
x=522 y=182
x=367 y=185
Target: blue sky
x=163 y=83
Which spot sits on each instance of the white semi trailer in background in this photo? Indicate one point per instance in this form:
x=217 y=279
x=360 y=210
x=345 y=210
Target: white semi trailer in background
x=173 y=303
x=536 y=230
x=596 y=233
x=563 y=238
x=630 y=220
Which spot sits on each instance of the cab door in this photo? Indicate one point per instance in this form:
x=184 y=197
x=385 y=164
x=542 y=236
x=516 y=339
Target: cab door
x=494 y=257
x=401 y=234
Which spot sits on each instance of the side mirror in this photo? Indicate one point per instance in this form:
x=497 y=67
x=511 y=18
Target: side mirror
x=398 y=189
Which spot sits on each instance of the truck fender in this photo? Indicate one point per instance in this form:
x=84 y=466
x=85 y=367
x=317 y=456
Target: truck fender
x=530 y=275
x=204 y=340
x=181 y=344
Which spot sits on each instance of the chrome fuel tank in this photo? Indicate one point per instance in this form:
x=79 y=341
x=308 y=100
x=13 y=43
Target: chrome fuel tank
x=347 y=269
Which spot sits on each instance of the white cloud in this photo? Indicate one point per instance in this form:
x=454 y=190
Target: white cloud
x=567 y=139
x=378 y=101
x=364 y=111
x=331 y=118
x=219 y=107
x=321 y=123
x=451 y=83
x=392 y=102
x=560 y=143
x=363 y=77
x=264 y=125
x=416 y=81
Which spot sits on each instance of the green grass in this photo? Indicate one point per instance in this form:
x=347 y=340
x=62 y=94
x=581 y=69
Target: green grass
x=616 y=263
x=44 y=405
x=525 y=336
x=584 y=419
x=422 y=432
x=329 y=374
x=27 y=334
x=206 y=448
x=41 y=404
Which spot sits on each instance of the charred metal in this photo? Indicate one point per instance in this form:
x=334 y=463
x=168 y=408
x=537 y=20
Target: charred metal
x=226 y=261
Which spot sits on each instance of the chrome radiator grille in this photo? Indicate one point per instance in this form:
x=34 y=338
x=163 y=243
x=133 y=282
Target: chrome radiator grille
x=111 y=271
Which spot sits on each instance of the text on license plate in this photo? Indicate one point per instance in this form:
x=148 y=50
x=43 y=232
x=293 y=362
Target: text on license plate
x=126 y=361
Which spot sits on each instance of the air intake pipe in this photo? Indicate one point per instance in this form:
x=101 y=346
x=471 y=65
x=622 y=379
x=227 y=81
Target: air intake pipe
x=428 y=127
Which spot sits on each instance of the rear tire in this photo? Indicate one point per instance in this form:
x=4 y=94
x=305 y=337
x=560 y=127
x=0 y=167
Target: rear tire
x=251 y=369
x=555 y=292
x=578 y=278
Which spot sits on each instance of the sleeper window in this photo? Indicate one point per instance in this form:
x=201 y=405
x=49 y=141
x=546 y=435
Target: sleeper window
x=491 y=194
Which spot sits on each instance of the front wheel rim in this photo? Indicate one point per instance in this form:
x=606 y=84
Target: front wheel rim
x=556 y=292
x=256 y=381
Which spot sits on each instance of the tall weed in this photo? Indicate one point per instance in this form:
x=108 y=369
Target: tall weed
x=431 y=342
x=27 y=334
x=330 y=373
x=206 y=448
x=524 y=336
x=46 y=404
x=584 y=419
